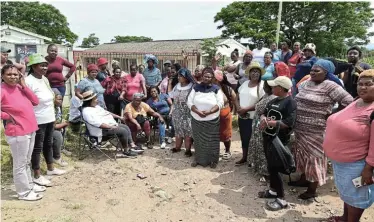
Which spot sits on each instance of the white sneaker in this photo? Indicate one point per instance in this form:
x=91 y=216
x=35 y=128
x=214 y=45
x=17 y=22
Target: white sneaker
x=42 y=181
x=38 y=189
x=56 y=172
x=60 y=162
x=66 y=152
x=163 y=145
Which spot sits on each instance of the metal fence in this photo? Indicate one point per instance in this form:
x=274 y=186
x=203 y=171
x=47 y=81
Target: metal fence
x=126 y=59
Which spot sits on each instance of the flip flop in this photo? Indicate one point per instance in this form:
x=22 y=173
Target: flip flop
x=31 y=196
x=276 y=205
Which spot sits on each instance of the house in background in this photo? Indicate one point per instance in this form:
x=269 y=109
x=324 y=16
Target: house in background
x=16 y=35
x=133 y=52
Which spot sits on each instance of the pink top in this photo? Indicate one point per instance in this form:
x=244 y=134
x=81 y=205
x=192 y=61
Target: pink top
x=54 y=72
x=17 y=103
x=134 y=85
x=349 y=137
x=164 y=85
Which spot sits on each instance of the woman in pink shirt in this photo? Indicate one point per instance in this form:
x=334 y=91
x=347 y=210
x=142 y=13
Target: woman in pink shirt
x=55 y=67
x=135 y=83
x=17 y=102
x=349 y=143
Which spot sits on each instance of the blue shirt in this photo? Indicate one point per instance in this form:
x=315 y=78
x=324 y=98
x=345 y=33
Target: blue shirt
x=88 y=84
x=161 y=106
x=152 y=76
x=269 y=70
x=276 y=55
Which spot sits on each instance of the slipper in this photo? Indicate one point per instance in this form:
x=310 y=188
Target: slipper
x=307 y=196
x=31 y=196
x=277 y=204
x=226 y=156
x=266 y=194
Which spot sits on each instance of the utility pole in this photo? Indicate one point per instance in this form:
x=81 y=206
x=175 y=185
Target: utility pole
x=279 y=21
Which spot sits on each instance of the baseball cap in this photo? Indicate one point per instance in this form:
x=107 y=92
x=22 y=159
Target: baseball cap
x=5 y=50
x=281 y=81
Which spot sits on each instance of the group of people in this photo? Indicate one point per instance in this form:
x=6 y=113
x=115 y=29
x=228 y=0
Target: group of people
x=326 y=104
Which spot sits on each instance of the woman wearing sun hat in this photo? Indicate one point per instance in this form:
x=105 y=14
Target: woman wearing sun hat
x=45 y=116
x=249 y=93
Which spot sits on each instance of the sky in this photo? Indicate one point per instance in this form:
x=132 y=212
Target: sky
x=156 y=19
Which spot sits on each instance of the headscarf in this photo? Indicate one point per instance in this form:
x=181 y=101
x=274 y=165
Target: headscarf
x=367 y=73
x=186 y=74
x=137 y=96
x=92 y=67
x=148 y=57
x=329 y=67
x=115 y=63
x=218 y=75
x=282 y=69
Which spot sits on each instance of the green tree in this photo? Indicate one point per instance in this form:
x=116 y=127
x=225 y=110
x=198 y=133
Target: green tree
x=90 y=42
x=43 y=19
x=210 y=48
x=330 y=25
x=127 y=38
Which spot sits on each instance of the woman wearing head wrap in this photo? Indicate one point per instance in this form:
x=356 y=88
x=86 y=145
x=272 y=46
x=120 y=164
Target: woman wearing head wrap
x=180 y=112
x=315 y=101
x=136 y=114
x=152 y=74
x=353 y=157
x=229 y=99
x=90 y=81
x=205 y=102
x=281 y=69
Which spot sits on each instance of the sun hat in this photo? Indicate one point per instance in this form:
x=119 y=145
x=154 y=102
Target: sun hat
x=254 y=65
x=167 y=62
x=281 y=81
x=102 y=61
x=92 y=67
x=36 y=59
x=311 y=47
x=5 y=49
x=88 y=95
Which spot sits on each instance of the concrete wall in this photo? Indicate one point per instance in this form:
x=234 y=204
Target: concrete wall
x=8 y=35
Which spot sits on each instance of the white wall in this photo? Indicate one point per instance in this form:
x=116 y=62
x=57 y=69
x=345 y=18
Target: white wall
x=19 y=37
x=232 y=45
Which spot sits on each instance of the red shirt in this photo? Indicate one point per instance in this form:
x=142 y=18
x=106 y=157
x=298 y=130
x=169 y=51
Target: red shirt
x=17 y=103
x=54 y=72
x=112 y=85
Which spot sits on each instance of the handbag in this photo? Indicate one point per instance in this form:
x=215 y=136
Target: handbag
x=280 y=155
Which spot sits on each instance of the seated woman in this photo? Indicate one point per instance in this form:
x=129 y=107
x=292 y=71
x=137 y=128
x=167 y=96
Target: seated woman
x=115 y=90
x=161 y=104
x=136 y=117
x=101 y=123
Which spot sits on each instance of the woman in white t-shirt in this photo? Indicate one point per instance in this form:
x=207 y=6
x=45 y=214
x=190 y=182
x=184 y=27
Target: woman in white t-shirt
x=250 y=92
x=45 y=116
x=231 y=68
x=259 y=52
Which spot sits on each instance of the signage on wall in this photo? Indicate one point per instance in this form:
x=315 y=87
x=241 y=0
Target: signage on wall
x=23 y=51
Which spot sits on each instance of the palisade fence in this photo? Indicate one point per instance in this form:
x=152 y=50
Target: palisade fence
x=126 y=59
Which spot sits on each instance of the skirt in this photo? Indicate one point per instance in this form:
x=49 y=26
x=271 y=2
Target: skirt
x=225 y=128
x=344 y=173
x=181 y=119
x=256 y=154
x=206 y=141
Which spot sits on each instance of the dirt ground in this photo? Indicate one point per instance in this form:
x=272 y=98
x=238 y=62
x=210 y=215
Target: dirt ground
x=97 y=189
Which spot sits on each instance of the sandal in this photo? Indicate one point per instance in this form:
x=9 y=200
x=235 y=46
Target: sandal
x=298 y=184
x=307 y=196
x=240 y=162
x=175 y=150
x=277 y=204
x=188 y=153
x=266 y=194
x=226 y=156
x=336 y=219
x=31 y=196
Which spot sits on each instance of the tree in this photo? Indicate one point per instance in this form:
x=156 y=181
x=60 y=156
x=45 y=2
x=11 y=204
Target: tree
x=43 y=19
x=90 y=42
x=327 y=24
x=210 y=48
x=127 y=38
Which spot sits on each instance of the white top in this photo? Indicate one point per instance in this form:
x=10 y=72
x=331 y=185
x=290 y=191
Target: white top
x=231 y=75
x=74 y=112
x=258 y=55
x=96 y=116
x=249 y=96
x=205 y=102
x=179 y=87
x=45 y=111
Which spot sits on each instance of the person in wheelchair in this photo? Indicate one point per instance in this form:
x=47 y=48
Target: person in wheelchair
x=136 y=114
x=101 y=124
x=160 y=103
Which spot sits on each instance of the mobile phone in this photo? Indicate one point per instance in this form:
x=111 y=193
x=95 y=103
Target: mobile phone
x=357 y=182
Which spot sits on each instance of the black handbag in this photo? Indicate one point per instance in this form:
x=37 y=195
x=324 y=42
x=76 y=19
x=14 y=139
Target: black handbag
x=280 y=155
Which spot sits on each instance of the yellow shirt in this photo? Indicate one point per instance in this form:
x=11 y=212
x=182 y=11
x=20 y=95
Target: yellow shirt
x=143 y=109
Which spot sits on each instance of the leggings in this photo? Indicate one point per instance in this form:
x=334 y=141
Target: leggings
x=123 y=132
x=245 y=129
x=43 y=142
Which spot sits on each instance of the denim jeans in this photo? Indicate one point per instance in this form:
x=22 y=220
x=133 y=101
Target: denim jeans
x=62 y=90
x=162 y=129
x=57 y=144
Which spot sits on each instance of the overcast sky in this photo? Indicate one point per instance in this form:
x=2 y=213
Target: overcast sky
x=158 y=20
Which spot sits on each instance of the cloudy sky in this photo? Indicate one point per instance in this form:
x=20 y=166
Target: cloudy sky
x=158 y=20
